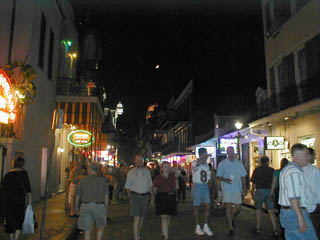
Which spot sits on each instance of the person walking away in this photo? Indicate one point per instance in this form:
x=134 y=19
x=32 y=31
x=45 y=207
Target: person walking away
x=275 y=184
x=75 y=176
x=212 y=186
x=275 y=190
x=16 y=188
x=107 y=173
x=166 y=203
x=177 y=172
x=120 y=179
x=93 y=191
x=293 y=197
x=201 y=175
x=261 y=183
x=312 y=176
x=139 y=188
x=232 y=176
x=182 y=185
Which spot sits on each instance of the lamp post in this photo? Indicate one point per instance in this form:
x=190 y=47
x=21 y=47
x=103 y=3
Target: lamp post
x=238 y=126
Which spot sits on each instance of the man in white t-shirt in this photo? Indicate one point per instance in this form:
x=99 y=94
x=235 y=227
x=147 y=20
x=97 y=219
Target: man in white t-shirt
x=201 y=175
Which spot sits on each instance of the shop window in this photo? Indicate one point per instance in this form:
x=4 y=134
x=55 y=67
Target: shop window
x=310 y=142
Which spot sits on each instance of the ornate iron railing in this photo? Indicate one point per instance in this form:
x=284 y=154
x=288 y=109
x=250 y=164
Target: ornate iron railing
x=294 y=95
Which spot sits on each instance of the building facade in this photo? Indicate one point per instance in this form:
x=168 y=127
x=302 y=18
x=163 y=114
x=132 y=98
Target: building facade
x=291 y=108
x=34 y=29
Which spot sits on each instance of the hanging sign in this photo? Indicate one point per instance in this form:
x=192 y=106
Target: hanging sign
x=80 y=138
x=7 y=100
x=274 y=143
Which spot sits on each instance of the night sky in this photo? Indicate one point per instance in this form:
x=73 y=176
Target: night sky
x=217 y=43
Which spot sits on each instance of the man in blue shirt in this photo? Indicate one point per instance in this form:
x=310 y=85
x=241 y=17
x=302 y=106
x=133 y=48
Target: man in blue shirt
x=231 y=173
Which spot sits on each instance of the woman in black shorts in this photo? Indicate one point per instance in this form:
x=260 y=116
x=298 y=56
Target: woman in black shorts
x=166 y=203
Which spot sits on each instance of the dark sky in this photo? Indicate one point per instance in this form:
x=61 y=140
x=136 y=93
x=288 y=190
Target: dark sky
x=217 y=43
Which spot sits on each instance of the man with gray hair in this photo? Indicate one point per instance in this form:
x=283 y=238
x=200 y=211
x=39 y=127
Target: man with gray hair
x=139 y=187
x=293 y=197
x=93 y=191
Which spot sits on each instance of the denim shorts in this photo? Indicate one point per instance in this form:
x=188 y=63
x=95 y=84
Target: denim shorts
x=289 y=221
x=91 y=213
x=263 y=196
x=201 y=194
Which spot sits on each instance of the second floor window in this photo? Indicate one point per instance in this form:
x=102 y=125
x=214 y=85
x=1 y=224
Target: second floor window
x=300 y=4
x=42 y=41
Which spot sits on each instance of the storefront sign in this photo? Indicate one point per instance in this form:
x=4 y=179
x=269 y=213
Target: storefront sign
x=7 y=103
x=274 y=143
x=224 y=143
x=80 y=138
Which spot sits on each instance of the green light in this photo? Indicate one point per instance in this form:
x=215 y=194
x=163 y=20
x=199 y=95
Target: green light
x=69 y=43
x=80 y=145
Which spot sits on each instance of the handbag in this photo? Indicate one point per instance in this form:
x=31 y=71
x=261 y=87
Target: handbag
x=28 y=223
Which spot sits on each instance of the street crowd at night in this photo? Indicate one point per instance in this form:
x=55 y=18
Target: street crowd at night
x=159 y=119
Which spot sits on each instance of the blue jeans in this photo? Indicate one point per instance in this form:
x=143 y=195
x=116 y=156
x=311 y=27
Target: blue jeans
x=289 y=221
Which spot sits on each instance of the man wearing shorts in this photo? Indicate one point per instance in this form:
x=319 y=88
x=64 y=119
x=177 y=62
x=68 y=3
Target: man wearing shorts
x=261 y=192
x=201 y=193
x=139 y=188
x=93 y=191
x=231 y=173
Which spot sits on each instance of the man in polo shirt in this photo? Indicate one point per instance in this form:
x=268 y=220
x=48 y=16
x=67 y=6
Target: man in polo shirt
x=312 y=176
x=261 y=183
x=93 y=191
x=139 y=187
x=231 y=173
x=293 y=197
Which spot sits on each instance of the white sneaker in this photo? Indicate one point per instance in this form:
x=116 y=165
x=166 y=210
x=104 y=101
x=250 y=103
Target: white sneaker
x=207 y=230
x=198 y=231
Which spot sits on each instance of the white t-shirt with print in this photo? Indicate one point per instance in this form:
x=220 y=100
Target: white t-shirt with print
x=201 y=173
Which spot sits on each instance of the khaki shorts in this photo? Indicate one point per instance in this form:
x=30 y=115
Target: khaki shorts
x=91 y=213
x=139 y=205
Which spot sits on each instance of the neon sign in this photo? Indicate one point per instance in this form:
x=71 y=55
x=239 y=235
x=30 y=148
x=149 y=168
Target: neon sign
x=80 y=138
x=7 y=100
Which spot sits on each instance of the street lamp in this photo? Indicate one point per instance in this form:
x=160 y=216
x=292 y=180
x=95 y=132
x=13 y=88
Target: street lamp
x=238 y=126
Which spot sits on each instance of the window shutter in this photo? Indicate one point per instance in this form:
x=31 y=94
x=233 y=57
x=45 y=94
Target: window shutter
x=272 y=82
x=290 y=69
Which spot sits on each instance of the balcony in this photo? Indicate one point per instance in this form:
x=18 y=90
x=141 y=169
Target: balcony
x=73 y=87
x=292 y=96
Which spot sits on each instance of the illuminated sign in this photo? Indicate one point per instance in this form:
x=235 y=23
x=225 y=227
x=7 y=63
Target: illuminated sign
x=80 y=138
x=224 y=143
x=210 y=150
x=274 y=143
x=7 y=100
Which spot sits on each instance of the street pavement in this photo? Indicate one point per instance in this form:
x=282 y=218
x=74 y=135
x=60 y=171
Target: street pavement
x=59 y=226
x=182 y=226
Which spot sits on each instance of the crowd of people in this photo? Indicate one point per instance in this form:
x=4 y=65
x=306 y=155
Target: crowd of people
x=292 y=193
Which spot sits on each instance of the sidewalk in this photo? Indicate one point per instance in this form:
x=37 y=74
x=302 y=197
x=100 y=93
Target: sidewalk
x=58 y=223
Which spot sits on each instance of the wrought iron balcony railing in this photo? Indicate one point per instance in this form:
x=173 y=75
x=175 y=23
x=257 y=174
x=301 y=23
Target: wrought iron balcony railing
x=73 y=87
x=294 y=95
